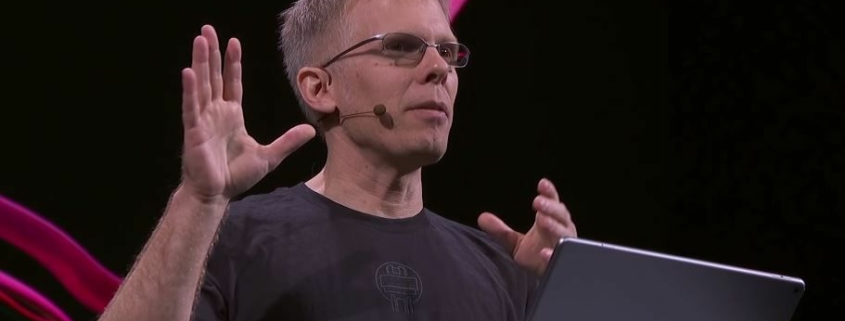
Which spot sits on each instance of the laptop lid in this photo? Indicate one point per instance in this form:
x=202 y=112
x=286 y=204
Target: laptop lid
x=592 y=281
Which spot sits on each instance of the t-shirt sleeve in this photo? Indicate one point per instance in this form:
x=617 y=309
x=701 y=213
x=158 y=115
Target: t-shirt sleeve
x=214 y=298
x=533 y=285
x=210 y=305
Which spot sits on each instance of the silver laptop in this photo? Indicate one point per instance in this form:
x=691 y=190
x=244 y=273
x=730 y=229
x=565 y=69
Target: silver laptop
x=593 y=281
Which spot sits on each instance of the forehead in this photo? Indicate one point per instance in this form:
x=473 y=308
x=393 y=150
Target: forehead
x=424 y=18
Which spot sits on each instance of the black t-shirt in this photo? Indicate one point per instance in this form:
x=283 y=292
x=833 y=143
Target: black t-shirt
x=294 y=254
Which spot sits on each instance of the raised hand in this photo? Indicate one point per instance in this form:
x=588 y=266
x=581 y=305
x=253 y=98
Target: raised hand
x=552 y=222
x=220 y=159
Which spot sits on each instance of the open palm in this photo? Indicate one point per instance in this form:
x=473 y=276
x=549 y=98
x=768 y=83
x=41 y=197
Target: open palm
x=220 y=159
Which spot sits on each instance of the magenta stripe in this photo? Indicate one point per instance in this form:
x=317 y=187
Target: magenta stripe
x=456 y=7
x=89 y=282
x=31 y=296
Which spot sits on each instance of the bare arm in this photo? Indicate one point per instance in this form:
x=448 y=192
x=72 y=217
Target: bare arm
x=166 y=277
x=220 y=160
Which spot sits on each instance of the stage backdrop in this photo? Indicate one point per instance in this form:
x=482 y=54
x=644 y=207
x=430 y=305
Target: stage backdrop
x=712 y=130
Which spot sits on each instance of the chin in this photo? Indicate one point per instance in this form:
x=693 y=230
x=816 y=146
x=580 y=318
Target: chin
x=430 y=157
x=419 y=149
x=424 y=154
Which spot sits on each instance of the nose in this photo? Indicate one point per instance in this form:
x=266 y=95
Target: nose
x=434 y=69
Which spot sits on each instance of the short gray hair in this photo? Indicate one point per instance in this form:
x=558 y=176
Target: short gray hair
x=307 y=28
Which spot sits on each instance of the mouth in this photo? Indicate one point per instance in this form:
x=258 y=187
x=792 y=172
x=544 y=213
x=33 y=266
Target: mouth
x=431 y=106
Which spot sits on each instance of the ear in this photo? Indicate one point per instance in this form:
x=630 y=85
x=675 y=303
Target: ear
x=314 y=87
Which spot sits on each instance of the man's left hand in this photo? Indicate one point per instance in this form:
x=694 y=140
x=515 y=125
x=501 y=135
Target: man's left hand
x=534 y=249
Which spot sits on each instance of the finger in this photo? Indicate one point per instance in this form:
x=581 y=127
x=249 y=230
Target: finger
x=232 y=86
x=552 y=227
x=500 y=231
x=546 y=253
x=190 y=109
x=553 y=208
x=200 y=67
x=214 y=65
x=286 y=144
x=546 y=188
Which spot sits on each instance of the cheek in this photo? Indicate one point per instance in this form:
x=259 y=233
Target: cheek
x=380 y=84
x=389 y=87
x=452 y=85
x=362 y=88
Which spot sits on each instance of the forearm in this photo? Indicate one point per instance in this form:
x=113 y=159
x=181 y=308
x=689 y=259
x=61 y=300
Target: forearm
x=163 y=283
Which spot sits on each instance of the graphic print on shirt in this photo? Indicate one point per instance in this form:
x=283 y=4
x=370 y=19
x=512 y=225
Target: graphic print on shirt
x=400 y=285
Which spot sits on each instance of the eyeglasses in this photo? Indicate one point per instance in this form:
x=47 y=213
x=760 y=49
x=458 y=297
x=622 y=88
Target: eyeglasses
x=409 y=49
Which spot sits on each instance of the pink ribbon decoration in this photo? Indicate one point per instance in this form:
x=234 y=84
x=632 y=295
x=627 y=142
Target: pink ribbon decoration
x=24 y=300
x=84 y=277
x=455 y=8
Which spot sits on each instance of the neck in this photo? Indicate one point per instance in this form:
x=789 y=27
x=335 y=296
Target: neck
x=368 y=185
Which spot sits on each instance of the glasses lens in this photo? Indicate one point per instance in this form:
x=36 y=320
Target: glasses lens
x=456 y=54
x=408 y=50
x=403 y=48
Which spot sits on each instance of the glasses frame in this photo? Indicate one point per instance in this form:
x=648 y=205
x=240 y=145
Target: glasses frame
x=384 y=35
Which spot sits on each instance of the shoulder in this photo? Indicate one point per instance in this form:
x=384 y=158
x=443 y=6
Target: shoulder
x=477 y=246
x=284 y=204
x=258 y=205
x=262 y=217
x=471 y=238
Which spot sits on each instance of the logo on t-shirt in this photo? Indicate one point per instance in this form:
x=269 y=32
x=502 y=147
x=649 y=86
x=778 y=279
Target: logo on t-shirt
x=400 y=284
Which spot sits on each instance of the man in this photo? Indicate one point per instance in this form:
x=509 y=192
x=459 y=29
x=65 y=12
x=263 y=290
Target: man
x=378 y=79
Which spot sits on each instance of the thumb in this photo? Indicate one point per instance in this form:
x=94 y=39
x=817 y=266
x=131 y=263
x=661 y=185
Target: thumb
x=286 y=144
x=500 y=231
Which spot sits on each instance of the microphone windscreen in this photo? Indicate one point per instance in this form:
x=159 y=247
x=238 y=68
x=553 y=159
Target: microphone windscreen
x=379 y=110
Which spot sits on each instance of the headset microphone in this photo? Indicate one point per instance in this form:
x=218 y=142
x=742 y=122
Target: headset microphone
x=378 y=111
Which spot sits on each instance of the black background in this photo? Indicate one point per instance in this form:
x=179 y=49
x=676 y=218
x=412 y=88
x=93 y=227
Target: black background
x=709 y=129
